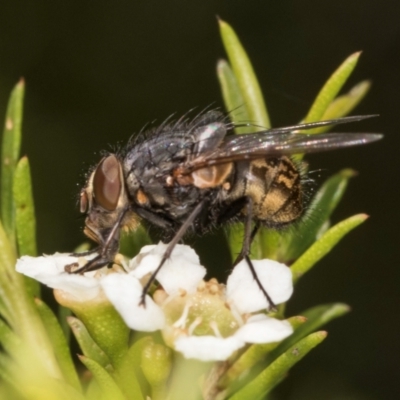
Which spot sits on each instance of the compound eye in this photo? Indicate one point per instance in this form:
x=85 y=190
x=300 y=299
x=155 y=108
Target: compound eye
x=107 y=183
x=83 y=203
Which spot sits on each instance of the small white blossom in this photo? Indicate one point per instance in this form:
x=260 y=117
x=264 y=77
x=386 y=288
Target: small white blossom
x=275 y=278
x=128 y=288
x=202 y=320
x=172 y=276
x=208 y=348
x=181 y=273
x=50 y=270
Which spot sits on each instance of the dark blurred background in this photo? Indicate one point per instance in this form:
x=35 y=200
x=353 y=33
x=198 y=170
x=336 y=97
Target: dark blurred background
x=97 y=71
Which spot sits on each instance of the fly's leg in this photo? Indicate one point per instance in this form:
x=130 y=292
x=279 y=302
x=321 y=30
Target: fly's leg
x=245 y=252
x=107 y=251
x=96 y=263
x=175 y=240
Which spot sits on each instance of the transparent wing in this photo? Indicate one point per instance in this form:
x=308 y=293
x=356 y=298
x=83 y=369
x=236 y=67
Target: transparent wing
x=289 y=143
x=280 y=141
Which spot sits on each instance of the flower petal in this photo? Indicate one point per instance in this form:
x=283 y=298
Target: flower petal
x=263 y=329
x=124 y=292
x=208 y=348
x=181 y=271
x=50 y=271
x=244 y=293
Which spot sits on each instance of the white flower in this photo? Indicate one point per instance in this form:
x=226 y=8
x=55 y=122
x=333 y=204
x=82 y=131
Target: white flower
x=202 y=320
x=172 y=276
x=50 y=270
x=181 y=273
x=257 y=329
x=275 y=277
x=129 y=289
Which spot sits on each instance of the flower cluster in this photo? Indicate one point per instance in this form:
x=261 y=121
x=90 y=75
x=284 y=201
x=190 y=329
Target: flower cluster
x=201 y=319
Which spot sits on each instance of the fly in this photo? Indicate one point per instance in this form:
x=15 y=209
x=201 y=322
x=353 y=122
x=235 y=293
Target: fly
x=192 y=176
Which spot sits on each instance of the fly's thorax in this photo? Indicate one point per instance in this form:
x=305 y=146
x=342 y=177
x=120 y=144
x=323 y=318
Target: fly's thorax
x=145 y=189
x=104 y=198
x=275 y=187
x=148 y=166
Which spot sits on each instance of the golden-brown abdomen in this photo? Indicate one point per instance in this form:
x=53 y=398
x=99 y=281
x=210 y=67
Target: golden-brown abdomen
x=274 y=185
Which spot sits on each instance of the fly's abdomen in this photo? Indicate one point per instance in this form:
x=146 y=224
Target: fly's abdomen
x=274 y=185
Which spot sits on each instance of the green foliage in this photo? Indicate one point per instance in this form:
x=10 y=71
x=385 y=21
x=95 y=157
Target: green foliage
x=276 y=371
x=325 y=244
x=88 y=346
x=331 y=88
x=108 y=386
x=9 y=157
x=59 y=343
x=232 y=95
x=245 y=78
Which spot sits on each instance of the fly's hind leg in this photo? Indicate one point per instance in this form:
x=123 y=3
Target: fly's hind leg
x=249 y=235
x=247 y=244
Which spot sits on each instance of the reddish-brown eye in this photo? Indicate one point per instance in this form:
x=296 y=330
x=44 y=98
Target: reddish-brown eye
x=107 y=183
x=83 y=201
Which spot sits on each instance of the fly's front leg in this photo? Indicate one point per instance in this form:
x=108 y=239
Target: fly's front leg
x=107 y=250
x=106 y=257
x=249 y=235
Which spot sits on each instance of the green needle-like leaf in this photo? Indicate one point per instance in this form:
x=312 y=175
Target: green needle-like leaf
x=8 y=286
x=104 y=324
x=19 y=311
x=9 y=157
x=254 y=354
x=109 y=388
x=7 y=371
x=331 y=88
x=62 y=314
x=235 y=234
x=245 y=77
x=25 y=210
x=325 y=244
x=8 y=339
x=274 y=373
x=314 y=319
x=60 y=345
x=25 y=218
x=233 y=99
x=88 y=346
x=343 y=105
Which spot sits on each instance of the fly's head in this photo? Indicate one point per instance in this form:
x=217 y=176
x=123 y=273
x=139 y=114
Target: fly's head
x=105 y=201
